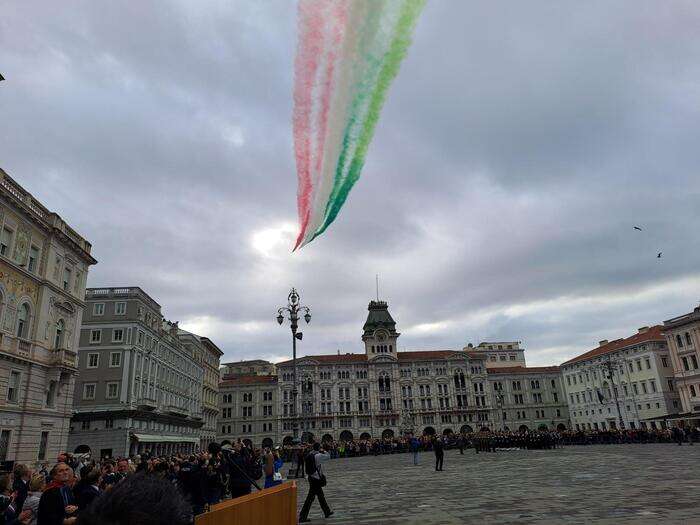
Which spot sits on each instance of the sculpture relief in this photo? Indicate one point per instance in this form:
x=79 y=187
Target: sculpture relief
x=21 y=253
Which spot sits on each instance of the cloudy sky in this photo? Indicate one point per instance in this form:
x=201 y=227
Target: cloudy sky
x=520 y=144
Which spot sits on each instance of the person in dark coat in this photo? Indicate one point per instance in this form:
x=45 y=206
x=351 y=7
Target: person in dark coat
x=439 y=449
x=87 y=490
x=192 y=482
x=239 y=481
x=57 y=504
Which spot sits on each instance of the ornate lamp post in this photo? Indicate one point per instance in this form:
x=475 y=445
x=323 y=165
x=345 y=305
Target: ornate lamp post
x=292 y=311
x=608 y=367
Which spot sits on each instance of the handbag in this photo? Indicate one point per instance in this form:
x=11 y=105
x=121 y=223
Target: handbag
x=277 y=476
x=322 y=480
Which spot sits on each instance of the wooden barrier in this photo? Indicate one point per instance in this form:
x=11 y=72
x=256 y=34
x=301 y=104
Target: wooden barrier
x=273 y=506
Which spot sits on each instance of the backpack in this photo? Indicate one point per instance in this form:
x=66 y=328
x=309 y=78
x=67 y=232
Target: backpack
x=254 y=468
x=310 y=463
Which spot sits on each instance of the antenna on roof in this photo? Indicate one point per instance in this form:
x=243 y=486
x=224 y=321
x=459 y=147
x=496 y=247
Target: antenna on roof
x=376 y=278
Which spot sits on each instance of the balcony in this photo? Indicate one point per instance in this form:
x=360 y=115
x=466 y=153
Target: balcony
x=20 y=348
x=63 y=358
x=176 y=410
x=147 y=403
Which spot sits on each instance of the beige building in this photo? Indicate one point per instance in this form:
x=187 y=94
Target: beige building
x=683 y=339
x=248 y=409
x=211 y=354
x=43 y=270
x=256 y=367
x=501 y=354
x=529 y=398
x=382 y=392
x=633 y=375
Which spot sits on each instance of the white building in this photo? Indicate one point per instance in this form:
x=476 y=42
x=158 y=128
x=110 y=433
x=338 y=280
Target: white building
x=641 y=383
x=683 y=339
x=382 y=392
x=43 y=269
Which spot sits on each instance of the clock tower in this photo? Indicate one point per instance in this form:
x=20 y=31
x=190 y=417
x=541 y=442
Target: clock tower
x=379 y=332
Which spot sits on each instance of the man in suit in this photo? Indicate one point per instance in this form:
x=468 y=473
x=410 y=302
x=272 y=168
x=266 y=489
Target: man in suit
x=20 y=485
x=89 y=487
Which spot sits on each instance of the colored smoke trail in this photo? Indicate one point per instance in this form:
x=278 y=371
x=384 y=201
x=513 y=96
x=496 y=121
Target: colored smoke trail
x=349 y=52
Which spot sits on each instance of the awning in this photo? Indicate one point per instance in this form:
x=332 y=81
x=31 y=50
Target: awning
x=155 y=438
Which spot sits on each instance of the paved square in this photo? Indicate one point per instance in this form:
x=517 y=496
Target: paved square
x=656 y=483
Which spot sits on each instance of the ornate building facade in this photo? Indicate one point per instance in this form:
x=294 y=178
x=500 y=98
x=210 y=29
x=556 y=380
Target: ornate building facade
x=683 y=340
x=382 y=392
x=141 y=382
x=43 y=270
x=633 y=375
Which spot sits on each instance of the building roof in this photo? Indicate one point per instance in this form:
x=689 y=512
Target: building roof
x=684 y=319
x=403 y=357
x=644 y=335
x=379 y=317
x=247 y=380
x=523 y=370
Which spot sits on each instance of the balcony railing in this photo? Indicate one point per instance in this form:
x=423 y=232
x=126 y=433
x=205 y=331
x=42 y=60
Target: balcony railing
x=64 y=357
x=147 y=403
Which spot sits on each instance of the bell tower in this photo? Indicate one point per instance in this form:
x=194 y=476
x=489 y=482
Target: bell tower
x=379 y=331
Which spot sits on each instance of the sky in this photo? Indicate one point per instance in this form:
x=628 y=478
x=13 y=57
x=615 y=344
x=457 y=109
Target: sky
x=519 y=145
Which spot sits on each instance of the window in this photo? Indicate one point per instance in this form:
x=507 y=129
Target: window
x=98 y=309
x=115 y=359
x=5 y=241
x=664 y=362
x=89 y=391
x=95 y=337
x=43 y=445
x=93 y=360
x=58 y=340
x=685 y=364
x=51 y=395
x=140 y=338
x=670 y=385
x=23 y=321
x=692 y=391
x=109 y=423
x=13 y=387
x=118 y=335
x=66 y=279
x=694 y=359
x=112 y=390
x=120 y=308
x=33 y=259
x=647 y=363
x=679 y=341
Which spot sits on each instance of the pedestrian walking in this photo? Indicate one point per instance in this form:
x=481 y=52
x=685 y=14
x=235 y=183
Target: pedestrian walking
x=439 y=449
x=415 y=447
x=317 y=480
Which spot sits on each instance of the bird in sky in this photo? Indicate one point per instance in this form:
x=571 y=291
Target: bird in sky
x=2 y=78
x=637 y=228
x=659 y=255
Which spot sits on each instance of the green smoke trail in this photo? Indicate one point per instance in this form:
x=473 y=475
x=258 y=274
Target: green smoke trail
x=389 y=67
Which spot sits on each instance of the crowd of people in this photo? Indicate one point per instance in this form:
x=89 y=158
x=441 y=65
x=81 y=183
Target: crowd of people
x=79 y=490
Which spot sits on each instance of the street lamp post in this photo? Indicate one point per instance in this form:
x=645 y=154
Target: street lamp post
x=608 y=367
x=291 y=311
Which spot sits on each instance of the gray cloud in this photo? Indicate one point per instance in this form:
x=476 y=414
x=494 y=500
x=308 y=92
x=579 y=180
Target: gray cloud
x=518 y=147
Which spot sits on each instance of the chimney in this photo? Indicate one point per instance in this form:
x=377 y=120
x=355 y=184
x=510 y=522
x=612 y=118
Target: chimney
x=643 y=329
x=603 y=342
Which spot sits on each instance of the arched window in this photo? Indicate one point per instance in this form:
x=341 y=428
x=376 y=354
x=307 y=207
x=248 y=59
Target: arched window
x=58 y=340
x=23 y=321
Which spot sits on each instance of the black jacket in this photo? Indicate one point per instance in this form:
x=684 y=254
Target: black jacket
x=52 y=505
x=22 y=490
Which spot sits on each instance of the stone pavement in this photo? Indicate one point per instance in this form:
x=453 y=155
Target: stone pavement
x=657 y=483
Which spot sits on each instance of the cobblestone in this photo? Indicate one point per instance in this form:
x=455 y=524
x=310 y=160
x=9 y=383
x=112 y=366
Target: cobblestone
x=593 y=484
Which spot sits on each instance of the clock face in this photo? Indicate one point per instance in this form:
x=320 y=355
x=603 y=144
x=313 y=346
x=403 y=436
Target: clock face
x=381 y=337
